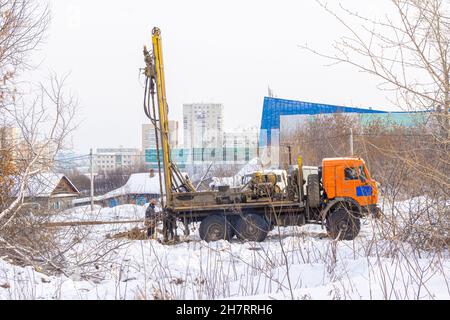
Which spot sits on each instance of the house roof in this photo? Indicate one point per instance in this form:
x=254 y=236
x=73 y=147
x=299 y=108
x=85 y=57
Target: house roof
x=139 y=183
x=44 y=185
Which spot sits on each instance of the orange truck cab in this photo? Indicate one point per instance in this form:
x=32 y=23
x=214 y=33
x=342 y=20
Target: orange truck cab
x=348 y=179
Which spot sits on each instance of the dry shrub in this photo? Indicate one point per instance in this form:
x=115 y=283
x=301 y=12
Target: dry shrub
x=133 y=234
x=27 y=241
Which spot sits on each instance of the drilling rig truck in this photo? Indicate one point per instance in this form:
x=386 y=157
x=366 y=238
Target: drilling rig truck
x=337 y=197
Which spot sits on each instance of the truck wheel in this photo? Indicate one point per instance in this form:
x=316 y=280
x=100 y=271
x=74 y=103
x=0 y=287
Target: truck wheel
x=252 y=227
x=215 y=228
x=313 y=191
x=343 y=225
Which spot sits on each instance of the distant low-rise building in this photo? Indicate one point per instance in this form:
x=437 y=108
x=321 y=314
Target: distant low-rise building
x=69 y=160
x=240 y=145
x=111 y=159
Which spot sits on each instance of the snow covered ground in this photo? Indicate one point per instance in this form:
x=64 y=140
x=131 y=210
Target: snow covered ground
x=125 y=212
x=294 y=263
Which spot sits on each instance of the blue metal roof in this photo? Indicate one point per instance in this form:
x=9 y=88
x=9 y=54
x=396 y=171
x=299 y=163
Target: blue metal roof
x=274 y=108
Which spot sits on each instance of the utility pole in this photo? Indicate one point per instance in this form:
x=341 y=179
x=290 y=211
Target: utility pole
x=290 y=155
x=352 y=153
x=92 y=180
x=300 y=179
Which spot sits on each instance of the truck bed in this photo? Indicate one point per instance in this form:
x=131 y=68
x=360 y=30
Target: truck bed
x=204 y=203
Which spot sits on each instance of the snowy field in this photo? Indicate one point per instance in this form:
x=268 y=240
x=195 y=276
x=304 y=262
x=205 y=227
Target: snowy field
x=294 y=263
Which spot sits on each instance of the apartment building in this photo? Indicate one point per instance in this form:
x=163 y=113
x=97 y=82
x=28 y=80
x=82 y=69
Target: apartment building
x=203 y=125
x=149 y=139
x=110 y=159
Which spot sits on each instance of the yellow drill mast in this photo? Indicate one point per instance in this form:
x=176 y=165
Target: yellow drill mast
x=155 y=81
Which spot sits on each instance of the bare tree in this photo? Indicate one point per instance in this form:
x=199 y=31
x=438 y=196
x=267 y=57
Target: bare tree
x=22 y=28
x=42 y=124
x=408 y=50
x=322 y=136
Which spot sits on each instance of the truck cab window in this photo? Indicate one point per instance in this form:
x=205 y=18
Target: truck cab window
x=351 y=174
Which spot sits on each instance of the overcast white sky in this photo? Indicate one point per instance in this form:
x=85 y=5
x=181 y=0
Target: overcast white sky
x=215 y=51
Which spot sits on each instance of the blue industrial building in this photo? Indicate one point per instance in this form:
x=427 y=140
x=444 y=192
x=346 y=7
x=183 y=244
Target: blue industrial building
x=274 y=108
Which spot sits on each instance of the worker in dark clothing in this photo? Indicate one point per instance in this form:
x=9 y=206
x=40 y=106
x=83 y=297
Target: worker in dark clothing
x=151 y=219
x=169 y=228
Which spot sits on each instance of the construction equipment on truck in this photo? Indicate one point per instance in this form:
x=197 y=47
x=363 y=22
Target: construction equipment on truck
x=262 y=185
x=337 y=195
